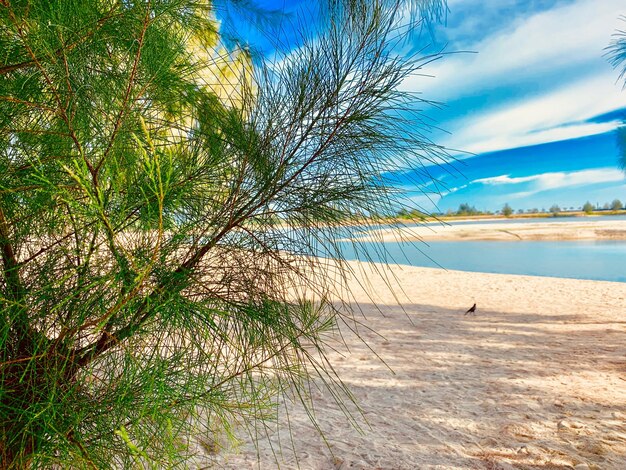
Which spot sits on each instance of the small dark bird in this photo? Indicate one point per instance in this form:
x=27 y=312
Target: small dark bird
x=471 y=310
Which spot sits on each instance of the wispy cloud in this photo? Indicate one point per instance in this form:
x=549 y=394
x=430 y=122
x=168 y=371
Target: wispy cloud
x=546 y=118
x=525 y=47
x=538 y=75
x=505 y=179
x=555 y=180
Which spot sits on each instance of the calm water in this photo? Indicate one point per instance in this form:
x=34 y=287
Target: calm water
x=600 y=260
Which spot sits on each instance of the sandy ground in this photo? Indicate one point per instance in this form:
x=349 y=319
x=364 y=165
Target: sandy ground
x=584 y=229
x=535 y=380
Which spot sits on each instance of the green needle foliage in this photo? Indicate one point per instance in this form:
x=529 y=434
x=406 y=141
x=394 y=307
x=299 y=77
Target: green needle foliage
x=163 y=203
x=616 y=53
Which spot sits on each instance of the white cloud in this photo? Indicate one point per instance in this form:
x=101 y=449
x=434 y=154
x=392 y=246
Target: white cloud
x=561 y=37
x=579 y=101
x=543 y=119
x=556 y=180
x=558 y=53
x=553 y=135
x=505 y=179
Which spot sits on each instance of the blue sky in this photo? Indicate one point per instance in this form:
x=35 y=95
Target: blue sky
x=537 y=104
x=530 y=113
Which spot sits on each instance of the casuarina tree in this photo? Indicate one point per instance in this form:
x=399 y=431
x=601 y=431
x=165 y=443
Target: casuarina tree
x=166 y=201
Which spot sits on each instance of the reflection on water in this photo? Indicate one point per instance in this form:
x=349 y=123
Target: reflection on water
x=600 y=260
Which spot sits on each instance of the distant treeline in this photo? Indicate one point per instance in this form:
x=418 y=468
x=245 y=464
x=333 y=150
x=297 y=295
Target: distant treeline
x=467 y=210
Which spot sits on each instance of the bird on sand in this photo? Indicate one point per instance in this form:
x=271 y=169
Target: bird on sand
x=471 y=310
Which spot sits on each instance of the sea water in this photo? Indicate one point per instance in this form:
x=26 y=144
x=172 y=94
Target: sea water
x=600 y=260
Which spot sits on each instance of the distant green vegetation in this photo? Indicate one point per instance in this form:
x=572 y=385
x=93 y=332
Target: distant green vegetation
x=555 y=209
x=412 y=214
x=507 y=210
x=467 y=210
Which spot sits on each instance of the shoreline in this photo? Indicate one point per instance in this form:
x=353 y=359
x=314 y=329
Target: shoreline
x=513 y=231
x=514 y=275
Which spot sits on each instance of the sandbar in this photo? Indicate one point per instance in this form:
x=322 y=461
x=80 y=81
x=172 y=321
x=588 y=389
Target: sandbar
x=593 y=229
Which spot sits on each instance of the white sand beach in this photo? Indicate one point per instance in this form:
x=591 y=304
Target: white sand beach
x=577 y=229
x=535 y=380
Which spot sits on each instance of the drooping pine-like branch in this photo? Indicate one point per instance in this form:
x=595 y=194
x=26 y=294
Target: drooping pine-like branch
x=167 y=210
